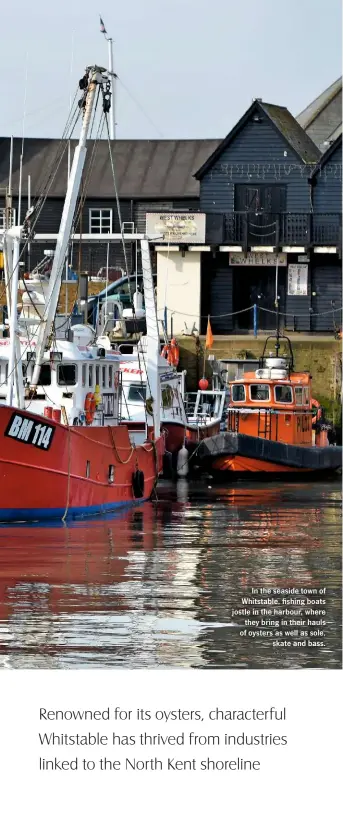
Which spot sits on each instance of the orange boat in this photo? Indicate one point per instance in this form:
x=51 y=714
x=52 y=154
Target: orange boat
x=274 y=427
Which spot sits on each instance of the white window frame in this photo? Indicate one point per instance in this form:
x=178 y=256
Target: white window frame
x=238 y=401
x=298 y=403
x=101 y=214
x=257 y=401
x=3 y=218
x=278 y=401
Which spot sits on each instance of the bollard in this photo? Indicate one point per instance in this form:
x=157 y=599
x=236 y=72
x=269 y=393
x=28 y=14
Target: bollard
x=255 y=320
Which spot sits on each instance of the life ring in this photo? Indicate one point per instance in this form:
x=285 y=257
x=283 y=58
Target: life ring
x=318 y=408
x=138 y=484
x=90 y=407
x=165 y=351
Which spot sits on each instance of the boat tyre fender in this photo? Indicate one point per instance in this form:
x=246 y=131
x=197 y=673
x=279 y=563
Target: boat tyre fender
x=138 y=483
x=90 y=407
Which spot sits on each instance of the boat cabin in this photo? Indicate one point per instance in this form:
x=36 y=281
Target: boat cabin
x=70 y=379
x=273 y=403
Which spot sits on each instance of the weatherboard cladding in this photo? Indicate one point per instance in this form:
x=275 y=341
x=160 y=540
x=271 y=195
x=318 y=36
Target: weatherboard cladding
x=327 y=179
x=256 y=155
x=144 y=168
x=327 y=285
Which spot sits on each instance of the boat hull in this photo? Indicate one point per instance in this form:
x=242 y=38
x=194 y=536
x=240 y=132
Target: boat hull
x=176 y=433
x=236 y=455
x=49 y=471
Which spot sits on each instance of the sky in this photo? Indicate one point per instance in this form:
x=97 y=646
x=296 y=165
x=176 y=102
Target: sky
x=186 y=68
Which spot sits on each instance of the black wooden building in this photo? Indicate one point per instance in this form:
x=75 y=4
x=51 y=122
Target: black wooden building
x=267 y=186
x=151 y=175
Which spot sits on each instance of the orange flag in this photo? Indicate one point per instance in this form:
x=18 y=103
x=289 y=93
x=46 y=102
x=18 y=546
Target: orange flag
x=209 y=334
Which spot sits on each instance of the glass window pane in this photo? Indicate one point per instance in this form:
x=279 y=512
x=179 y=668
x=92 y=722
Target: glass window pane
x=283 y=394
x=238 y=392
x=66 y=374
x=137 y=392
x=259 y=392
x=90 y=376
x=298 y=395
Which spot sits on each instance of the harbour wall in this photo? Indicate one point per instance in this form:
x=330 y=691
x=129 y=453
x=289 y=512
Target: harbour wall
x=320 y=355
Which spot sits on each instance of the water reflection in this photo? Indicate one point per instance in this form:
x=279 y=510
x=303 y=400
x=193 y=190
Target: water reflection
x=156 y=586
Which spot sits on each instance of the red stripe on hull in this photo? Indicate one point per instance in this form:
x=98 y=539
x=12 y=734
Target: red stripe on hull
x=75 y=471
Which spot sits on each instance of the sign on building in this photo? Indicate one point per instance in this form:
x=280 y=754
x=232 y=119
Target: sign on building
x=177 y=227
x=255 y=258
x=297 y=280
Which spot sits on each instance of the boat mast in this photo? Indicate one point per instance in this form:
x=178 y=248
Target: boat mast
x=94 y=76
x=153 y=336
x=113 y=78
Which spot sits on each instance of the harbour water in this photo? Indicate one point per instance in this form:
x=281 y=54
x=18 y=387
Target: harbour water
x=157 y=586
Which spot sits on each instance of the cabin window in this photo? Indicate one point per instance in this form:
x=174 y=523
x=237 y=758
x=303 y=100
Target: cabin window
x=167 y=397
x=45 y=375
x=259 y=392
x=111 y=474
x=110 y=376
x=83 y=375
x=66 y=374
x=88 y=469
x=100 y=220
x=137 y=392
x=238 y=392
x=90 y=376
x=298 y=395
x=97 y=374
x=283 y=394
x=306 y=396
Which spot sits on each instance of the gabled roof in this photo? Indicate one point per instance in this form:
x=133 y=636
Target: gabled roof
x=151 y=169
x=283 y=121
x=325 y=157
x=322 y=119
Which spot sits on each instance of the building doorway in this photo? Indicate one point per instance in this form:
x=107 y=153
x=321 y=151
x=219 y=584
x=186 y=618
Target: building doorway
x=256 y=285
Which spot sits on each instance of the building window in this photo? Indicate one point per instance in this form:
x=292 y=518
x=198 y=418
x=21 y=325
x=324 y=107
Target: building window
x=259 y=392
x=3 y=218
x=283 y=394
x=238 y=392
x=100 y=220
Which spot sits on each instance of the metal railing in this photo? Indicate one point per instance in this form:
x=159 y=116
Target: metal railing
x=248 y=229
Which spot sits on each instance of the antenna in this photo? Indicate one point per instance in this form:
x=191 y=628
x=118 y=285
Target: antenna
x=112 y=77
x=22 y=143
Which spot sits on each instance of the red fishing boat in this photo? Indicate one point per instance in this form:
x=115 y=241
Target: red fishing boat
x=63 y=451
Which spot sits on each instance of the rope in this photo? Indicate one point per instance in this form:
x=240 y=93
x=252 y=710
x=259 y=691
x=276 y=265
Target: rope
x=68 y=480
x=121 y=461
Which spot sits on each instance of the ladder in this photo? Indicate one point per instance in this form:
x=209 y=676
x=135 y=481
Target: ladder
x=264 y=428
